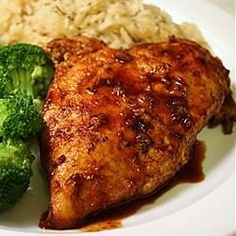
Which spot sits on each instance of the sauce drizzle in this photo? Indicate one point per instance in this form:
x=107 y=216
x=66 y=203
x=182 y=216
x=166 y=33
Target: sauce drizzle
x=192 y=172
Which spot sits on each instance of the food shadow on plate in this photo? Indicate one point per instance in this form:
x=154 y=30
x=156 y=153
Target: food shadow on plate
x=28 y=210
x=218 y=147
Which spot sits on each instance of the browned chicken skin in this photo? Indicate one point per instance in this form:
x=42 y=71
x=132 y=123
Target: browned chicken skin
x=120 y=124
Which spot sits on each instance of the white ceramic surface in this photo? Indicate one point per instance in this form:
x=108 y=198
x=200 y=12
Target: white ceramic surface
x=218 y=28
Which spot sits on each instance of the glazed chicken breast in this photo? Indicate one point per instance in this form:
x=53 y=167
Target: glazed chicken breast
x=119 y=124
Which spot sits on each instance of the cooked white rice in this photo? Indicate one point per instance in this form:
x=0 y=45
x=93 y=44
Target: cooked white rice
x=119 y=23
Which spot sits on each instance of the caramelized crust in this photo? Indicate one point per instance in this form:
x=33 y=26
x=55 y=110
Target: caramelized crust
x=120 y=124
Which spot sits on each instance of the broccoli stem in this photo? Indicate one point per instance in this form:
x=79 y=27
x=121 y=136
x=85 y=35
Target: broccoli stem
x=24 y=81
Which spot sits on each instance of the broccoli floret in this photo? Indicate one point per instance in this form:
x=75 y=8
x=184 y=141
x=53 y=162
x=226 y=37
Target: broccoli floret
x=26 y=67
x=15 y=172
x=19 y=116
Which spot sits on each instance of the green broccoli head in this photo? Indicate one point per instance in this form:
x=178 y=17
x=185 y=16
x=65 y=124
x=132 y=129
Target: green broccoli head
x=19 y=116
x=26 y=67
x=15 y=172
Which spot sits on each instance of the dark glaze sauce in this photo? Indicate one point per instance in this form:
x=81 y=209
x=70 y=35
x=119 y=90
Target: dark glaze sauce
x=191 y=173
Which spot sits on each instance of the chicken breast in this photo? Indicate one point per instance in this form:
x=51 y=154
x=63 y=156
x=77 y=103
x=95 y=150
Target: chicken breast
x=120 y=124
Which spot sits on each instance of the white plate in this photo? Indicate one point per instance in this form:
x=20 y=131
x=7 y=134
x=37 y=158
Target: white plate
x=218 y=28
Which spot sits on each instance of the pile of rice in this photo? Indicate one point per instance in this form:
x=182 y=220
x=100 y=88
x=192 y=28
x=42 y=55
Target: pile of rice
x=119 y=23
